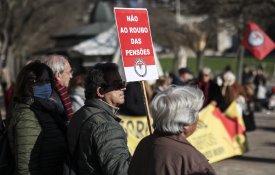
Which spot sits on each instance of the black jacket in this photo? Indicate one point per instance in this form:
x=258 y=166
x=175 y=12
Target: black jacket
x=37 y=137
x=134 y=102
x=102 y=146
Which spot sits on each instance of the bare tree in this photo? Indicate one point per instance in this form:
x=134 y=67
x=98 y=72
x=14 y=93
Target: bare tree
x=191 y=34
x=198 y=35
x=26 y=26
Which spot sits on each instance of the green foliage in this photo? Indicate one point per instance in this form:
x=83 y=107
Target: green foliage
x=218 y=64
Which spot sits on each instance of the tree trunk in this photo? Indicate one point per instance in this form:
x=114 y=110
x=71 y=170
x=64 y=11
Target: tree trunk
x=175 y=62
x=180 y=58
x=199 y=55
x=4 y=48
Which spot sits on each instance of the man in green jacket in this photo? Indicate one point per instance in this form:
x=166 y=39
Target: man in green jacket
x=96 y=140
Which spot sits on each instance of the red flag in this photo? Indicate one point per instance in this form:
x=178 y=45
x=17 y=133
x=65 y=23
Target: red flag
x=256 y=41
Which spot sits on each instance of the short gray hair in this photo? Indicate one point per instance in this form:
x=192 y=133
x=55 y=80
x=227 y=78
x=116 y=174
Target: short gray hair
x=55 y=62
x=175 y=108
x=206 y=70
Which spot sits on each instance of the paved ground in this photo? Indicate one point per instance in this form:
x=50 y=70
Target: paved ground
x=260 y=159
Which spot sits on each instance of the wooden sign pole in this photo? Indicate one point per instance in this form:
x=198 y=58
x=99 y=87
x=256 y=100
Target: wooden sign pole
x=142 y=83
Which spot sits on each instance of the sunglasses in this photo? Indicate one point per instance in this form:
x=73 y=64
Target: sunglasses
x=115 y=85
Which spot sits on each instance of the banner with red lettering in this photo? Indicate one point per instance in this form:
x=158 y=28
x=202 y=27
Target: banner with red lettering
x=136 y=44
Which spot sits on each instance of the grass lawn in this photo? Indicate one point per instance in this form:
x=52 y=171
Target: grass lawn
x=217 y=64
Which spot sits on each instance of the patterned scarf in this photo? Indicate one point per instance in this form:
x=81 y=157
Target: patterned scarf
x=65 y=98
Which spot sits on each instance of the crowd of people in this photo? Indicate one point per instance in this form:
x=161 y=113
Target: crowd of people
x=55 y=113
x=220 y=90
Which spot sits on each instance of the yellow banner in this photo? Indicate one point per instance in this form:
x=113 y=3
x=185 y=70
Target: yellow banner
x=212 y=138
x=136 y=128
x=217 y=136
x=234 y=115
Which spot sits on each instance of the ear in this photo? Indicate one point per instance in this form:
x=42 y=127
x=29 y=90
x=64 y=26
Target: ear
x=58 y=76
x=99 y=92
x=189 y=130
x=186 y=130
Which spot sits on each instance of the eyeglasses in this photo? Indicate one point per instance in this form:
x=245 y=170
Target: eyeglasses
x=115 y=85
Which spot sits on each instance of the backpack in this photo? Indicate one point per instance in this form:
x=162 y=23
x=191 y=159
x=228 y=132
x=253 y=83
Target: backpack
x=7 y=163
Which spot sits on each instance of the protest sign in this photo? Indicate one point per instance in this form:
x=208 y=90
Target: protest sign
x=136 y=44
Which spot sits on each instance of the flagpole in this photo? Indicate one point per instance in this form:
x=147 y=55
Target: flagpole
x=240 y=64
x=241 y=51
x=145 y=99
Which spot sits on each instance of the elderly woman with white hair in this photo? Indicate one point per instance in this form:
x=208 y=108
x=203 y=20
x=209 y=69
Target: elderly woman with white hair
x=175 y=114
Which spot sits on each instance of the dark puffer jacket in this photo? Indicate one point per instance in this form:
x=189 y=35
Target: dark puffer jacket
x=37 y=137
x=102 y=146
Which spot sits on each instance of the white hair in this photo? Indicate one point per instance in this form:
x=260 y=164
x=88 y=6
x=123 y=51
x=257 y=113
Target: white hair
x=175 y=108
x=229 y=78
x=206 y=70
x=55 y=62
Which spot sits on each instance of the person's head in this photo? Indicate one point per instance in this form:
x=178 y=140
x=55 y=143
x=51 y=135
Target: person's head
x=35 y=79
x=260 y=70
x=60 y=66
x=104 y=82
x=78 y=79
x=205 y=74
x=176 y=110
x=228 y=78
x=245 y=68
x=227 y=68
x=184 y=74
x=162 y=82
